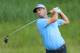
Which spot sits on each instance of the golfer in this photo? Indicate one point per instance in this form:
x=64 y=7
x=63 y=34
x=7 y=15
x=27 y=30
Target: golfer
x=49 y=28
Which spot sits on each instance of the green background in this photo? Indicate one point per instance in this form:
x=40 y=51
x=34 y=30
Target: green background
x=16 y=13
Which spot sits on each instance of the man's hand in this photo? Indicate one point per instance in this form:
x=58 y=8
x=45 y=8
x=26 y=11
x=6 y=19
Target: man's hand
x=57 y=9
x=63 y=16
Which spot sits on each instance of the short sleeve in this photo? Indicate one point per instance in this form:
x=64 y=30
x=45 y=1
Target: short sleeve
x=60 y=22
x=42 y=23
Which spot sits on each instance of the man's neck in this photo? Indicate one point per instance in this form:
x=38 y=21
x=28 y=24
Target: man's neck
x=46 y=16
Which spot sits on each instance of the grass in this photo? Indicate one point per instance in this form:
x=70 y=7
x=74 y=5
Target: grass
x=16 y=13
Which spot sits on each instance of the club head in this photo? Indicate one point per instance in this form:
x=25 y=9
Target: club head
x=6 y=39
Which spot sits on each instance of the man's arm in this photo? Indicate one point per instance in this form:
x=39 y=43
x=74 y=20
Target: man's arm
x=54 y=17
x=64 y=17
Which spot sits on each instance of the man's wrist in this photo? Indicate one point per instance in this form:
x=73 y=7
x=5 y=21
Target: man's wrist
x=61 y=13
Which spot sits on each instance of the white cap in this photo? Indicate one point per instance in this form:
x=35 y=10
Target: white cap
x=38 y=6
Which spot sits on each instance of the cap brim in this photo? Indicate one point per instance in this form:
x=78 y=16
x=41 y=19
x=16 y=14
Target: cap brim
x=34 y=10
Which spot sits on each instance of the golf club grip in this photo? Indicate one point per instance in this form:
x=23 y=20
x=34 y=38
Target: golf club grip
x=48 y=13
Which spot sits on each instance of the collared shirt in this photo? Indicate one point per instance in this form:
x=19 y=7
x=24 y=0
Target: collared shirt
x=50 y=33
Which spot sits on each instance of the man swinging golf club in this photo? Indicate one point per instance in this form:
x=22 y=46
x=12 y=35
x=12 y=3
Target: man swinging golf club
x=49 y=28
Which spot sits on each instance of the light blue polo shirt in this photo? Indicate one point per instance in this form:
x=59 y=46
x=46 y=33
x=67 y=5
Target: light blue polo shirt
x=50 y=34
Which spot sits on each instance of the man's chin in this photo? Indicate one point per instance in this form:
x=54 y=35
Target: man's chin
x=41 y=16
